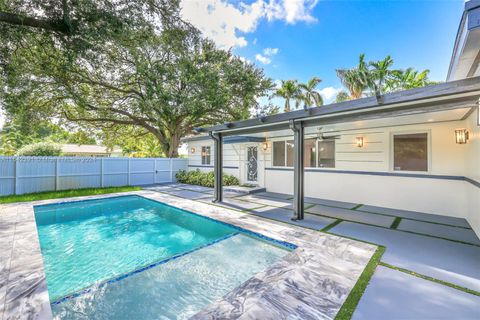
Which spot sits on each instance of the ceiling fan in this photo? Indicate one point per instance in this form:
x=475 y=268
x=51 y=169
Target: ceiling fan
x=327 y=136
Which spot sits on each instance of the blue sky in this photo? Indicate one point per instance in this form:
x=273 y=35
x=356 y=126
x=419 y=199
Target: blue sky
x=305 y=38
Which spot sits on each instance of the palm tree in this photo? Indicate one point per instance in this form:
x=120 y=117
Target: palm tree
x=408 y=79
x=342 y=96
x=309 y=95
x=355 y=79
x=289 y=90
x=378 y=75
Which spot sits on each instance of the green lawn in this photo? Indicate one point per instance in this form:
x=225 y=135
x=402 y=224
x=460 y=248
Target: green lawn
x=349 y=306
x=64 y=194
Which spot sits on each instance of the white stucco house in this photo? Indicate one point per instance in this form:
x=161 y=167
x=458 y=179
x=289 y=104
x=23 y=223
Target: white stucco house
x=415 y=150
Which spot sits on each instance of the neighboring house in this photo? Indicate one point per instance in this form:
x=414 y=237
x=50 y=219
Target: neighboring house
x=416 y=150
x=87 y=150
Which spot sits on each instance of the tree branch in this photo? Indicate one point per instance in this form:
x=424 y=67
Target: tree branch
x=52 y=25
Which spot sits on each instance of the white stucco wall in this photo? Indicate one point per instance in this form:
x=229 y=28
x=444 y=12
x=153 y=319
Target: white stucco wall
x=234 y=159
x=439 y=196
x=452 y=197
x=472 y=171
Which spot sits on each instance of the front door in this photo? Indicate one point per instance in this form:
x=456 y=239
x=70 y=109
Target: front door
x=252 y=164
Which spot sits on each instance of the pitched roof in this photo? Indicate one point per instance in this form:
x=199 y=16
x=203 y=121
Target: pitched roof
x=87 y=149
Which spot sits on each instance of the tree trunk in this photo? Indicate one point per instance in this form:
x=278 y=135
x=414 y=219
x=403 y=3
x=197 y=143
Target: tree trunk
x=173 y=146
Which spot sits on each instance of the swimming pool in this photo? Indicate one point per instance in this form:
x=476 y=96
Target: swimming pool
x=129 y=256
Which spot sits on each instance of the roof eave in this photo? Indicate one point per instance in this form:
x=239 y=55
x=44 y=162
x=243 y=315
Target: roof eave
x=449 y=92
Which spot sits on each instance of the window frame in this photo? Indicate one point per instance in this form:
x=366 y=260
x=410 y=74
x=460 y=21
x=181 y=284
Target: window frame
x=429 y=151
x=209 y=155
x=316 y=167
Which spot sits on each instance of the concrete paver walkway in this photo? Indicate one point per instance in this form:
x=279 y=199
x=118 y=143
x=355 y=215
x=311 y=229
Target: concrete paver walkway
x=401 y=296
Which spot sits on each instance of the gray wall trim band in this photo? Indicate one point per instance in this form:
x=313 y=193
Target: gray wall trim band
x=209 y=166
x=388 y=174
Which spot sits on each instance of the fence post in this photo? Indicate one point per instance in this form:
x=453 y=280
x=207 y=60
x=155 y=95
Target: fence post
x=154 y=170
x=57 y=178
x=101 y=172
x=171 y=170
x=128 y=172
x=15 y=175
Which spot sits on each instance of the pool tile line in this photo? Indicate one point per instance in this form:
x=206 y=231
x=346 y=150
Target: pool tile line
x=136 y=271
x=284 y=244
x=83 y=200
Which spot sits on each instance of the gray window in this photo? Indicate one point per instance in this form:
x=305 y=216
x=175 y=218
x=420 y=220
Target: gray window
x=326 y=154
x=310 y=152
x=410 y=152
x=290 y=151
x=206 y=155
x=283 y=153
x=279 y=153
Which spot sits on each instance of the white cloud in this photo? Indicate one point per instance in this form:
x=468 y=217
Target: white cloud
x=329 y=94
x=291 y=11
x=262 y=59
x=270 y=51
x=266 y=57
x=226 y=23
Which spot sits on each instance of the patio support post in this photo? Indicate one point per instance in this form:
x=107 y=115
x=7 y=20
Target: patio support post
x=218 y=165
x=298 y=169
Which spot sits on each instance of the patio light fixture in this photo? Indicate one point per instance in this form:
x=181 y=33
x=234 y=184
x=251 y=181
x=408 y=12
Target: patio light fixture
x=359 y=141
x=461 y=136
x=192 y=150
x=265 y=146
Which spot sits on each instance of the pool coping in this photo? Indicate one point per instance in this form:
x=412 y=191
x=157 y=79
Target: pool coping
x=319 y=256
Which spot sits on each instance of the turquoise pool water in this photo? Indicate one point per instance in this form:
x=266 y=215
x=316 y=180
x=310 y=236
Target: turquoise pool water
x=191 y=260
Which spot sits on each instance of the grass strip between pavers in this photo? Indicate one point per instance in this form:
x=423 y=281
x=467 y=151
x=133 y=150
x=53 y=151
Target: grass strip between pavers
x=350 y=304
x=331 y=225
x=445 y=283
x=64 y=194
x=395 y=223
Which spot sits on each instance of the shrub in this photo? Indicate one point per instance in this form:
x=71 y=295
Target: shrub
x=206 y=179
x=41 y=149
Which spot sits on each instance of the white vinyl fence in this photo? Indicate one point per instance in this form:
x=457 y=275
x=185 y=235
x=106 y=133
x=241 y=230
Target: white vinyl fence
x=19 y=175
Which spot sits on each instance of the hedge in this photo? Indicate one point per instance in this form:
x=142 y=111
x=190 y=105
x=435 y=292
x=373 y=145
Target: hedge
x=206 y=179
x=44 y=149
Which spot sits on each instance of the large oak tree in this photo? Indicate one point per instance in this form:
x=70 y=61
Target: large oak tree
x=123 y=63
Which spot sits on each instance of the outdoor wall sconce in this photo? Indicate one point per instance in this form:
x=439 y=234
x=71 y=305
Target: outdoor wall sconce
x=192 y=150
x=265 y=146
x=359 y=142
x=461 y=136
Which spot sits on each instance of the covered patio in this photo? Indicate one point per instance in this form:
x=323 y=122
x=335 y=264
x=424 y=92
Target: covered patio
x=446 y=102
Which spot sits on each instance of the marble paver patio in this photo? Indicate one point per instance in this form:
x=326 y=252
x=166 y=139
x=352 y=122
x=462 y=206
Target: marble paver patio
x=189 y=194
x=438 y=230
x=329 y=262
x=232 y=203
x=417 y=216
x=352 y=215
x=274 y=202
x=401 y=296
x=449 y=261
